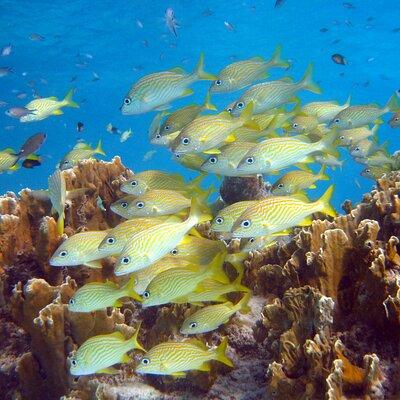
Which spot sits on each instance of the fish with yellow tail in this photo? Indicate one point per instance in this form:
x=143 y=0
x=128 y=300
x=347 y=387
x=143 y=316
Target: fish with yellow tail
x=180 y=118
x=99 y=353
x=81 y=151
x=45 y=107
x=176 y=358
x=177 y=282
x=209 y=318
x=157 y=90
x=295 y=181
x=206 y=133
x=268 y=95
x=324 y=111
x=81 y=249
x=58 y=194
x=356 y=116
x=98 y=295
x=240 y=74
x=281 y=152
x=276 y=214
x=153 y=179
x=151 y=244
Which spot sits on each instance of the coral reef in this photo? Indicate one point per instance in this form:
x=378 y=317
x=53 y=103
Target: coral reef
x=324 y=320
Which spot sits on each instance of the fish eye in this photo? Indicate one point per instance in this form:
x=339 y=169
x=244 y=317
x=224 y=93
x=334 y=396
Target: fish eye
x=124 y=204
x=245 y=224
x=177 y=155
x=295 y=125
x=185 y=140
x=193 y=325
x=110 y=240
x=71 y=301
x=367 y=170
x=280 y=186
x=357 y=149
x=158 y=136
x=213 y=160
x=240 y=104
x=341 y=137
x=63 y=253
x=133 y=183
x=145 y=361
x=174 y=252
x=146 y=294
x=252 y=240
x=167 y=127
x=250 y=160
x=219 y=220
x=229 y=109
x=337 y=120
x=218 y=82
x=73 y=362
x=66 y=162
x=125 y=260
x=140 y=204
x=127 y=101
x=396 y=119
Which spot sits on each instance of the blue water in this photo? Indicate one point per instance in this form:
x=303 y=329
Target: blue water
x=120 y=52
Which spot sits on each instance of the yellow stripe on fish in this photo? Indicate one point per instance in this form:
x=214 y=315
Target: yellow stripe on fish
x=100 y=352
x=276 y=214
x=175 y=358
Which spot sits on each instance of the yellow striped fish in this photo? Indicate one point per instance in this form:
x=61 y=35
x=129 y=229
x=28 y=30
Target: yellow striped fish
x=143 y=277
x=365 y=147
x=240 y=74
x=115 y=239
x=151 y=244
x=8 y=160
x=98 y=295
x=304 y=124
x=324 y=111
x=177 y=282
x=100 y=352
x=212 y=290
x=375 y=172
x=258 y=243
x=175 y=358
x=45 y=107
x=268 y=95
x=281 y=152
x=156 y=91
x=58 y=194
x=81 y=249
x=225 y=218
x=295 y=181
x=81 y=151
x=206 y=133
x=350 y=137
x=357 y=116
x=181 y=117
x=209 y=318
x=153 y=179
x=276 y=214
x=191 y=161
x=157 y=202
x=226 y=162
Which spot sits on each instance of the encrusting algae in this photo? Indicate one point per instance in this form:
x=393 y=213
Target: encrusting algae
x=105 y=274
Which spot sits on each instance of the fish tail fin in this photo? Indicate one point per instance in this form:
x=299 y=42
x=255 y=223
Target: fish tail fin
x=134 y=340
x=60 y=224
x=307 y=81
x=219 y=353
x=374 y=130
x=327 y=143
x=247 y=117
x=215 y=270
x=99 y=149
x=194 y=185
x=68 y=99
x=200 y=73
x=321 y=174
x=325 y=200
x=15 y=167
x=236 y=260
x=276 y=60
x=130 y=289
x=207 y=105
x=197 y=212
x=243 y=304
x=393 y=103
x=348 y=101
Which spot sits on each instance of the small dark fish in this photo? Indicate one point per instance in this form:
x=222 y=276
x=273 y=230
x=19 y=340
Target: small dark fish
x=30 y=163
x=336 y=41
x=348 y=23
x=18 y=112
x=4 y=71
x=32 y=144
x=207 y=12
x=396 y=30
x=36 y=37
x=145 y=43
x=80 y=127
x=279 y=3
x=349 y=6
x=324 y=30
x=339 y=59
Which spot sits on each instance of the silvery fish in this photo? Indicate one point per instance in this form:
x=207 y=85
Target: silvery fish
x=375 y=172
x=171 y=22
x=58 y=194
x=350 y=137
x=157 y=90
x=395 y=120
x=175 y=358
x=81 y=151
x=324 y=111
x=240 y=74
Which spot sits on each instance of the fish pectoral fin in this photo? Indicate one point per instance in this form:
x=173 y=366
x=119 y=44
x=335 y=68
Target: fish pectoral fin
x=305 y=222
x=204 y=367
x=230 y=139
x=379 y=121
x=125 y=359
x=194 y=232
x=57 y=112
x=187 y=92
x=94 y=264
x=163 y=107
x=212 y=151
x=203 y=138
x=109 y=370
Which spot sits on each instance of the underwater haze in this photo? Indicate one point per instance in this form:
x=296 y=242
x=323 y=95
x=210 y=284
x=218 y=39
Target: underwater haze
x=101 y=48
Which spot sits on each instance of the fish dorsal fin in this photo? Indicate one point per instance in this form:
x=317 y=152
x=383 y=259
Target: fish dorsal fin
x=286 y=80
x=301 y=196
x=178 y=70
x=52 y=98
x=9 y=150
x=198 y=343
x=117 y=335
x=82 y=145
x=225 y=115
x=257 y=59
